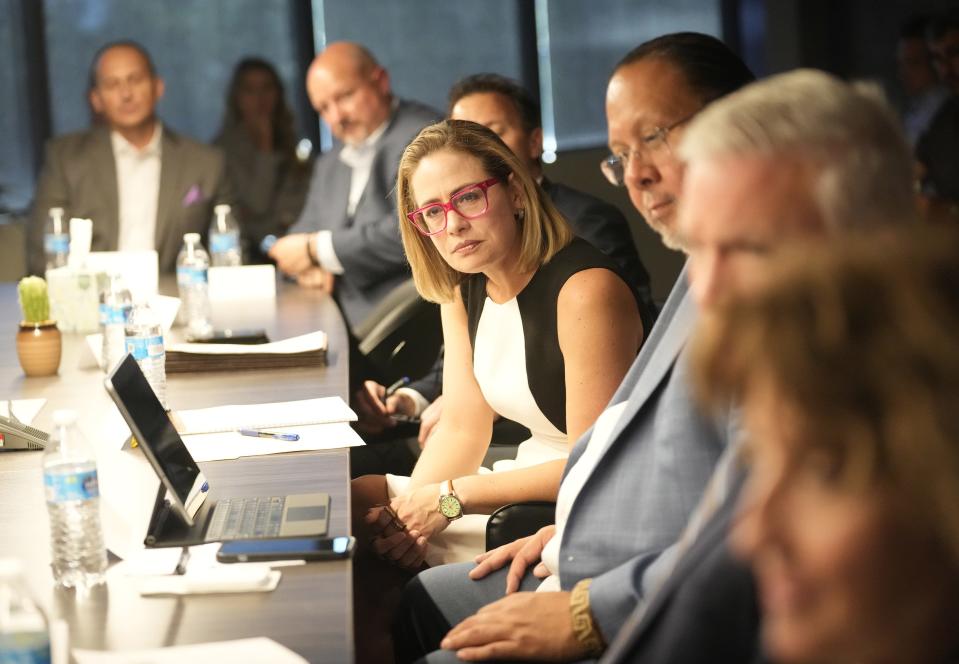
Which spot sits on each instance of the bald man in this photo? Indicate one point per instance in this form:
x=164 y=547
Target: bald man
x=346 y=240
x=142 y=184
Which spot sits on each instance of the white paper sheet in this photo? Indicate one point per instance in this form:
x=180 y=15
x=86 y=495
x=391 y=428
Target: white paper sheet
x=242 y=282
x=324 y=410
x=231 y=445
x=260 y=650
x=139 y=269
x=24 y=409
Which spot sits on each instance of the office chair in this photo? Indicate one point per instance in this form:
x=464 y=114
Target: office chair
x=401 y=336
x=516 y=520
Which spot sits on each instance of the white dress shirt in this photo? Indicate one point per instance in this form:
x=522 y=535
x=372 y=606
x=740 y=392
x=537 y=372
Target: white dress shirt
x=138 y=190
x=360 y=159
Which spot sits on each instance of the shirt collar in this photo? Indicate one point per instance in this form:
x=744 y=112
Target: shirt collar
x=122 y=146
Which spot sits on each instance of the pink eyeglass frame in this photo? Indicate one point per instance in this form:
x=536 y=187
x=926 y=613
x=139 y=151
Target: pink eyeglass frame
x=484 y=185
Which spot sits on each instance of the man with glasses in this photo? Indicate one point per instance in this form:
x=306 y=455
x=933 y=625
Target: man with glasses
x=633 y=479
x=347 y=234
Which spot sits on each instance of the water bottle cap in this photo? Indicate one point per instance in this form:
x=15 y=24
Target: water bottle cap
x=64 y=416
x=222 y=208
x=10 y=567
x=191 y=238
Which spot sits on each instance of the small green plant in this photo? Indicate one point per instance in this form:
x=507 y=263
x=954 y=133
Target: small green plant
x=34 y=300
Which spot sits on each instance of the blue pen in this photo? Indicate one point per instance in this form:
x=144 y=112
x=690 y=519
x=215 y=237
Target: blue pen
x=268 y=434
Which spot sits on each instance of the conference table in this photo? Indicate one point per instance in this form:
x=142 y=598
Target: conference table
x=310 y=612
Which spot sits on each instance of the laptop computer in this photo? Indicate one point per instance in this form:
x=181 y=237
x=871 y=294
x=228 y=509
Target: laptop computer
x=185 y=513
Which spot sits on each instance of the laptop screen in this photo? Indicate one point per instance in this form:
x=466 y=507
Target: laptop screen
x=153 y=428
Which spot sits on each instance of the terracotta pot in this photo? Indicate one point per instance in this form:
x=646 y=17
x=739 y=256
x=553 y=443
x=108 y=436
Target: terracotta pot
x=38 y=347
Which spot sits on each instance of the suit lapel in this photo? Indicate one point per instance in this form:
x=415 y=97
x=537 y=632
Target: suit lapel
x=340 y=190
x=104 y=167
x=714 y=535
x=170 y=175
x=663 y=349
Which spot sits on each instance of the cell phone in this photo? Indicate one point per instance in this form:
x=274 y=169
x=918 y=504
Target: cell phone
x=406 y=419
x=286 y=548
x=227 y=336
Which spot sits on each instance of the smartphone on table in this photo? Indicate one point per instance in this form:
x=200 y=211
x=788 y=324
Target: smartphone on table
x=286 y=548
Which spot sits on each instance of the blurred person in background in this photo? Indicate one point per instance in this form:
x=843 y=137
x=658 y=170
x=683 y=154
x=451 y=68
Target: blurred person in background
x=258 y=137
x=938 y=162
x=346 y=240
x=142 y=184
x=924 y=94
x=848 y=372
x=943 y=38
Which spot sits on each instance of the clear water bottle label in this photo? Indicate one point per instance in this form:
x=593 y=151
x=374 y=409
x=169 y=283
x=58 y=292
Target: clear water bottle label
x=56 y=243
x=220 y=243
x=143 y=347
x=67 y=487
x=110 y=315
x=187 y=276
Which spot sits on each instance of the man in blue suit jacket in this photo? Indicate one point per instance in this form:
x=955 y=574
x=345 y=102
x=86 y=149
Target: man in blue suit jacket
x=347 y=233
x=633 y=479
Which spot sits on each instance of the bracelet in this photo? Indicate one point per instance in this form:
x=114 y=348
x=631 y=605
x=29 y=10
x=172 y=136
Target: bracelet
x=309 y=251
x=584 y=629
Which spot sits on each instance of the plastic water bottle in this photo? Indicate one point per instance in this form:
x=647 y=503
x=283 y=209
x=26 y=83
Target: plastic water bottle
x=224 y=238
x=192 y=266
x=56 y=239
x=73 y=502
x=24 y=637
x=144 y=339
x=115 y=306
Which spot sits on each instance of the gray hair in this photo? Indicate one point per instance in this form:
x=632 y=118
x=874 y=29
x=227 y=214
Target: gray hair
x=846 y=133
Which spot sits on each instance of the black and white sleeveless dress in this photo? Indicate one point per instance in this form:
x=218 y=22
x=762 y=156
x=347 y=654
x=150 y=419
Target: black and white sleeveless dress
x=520 y=370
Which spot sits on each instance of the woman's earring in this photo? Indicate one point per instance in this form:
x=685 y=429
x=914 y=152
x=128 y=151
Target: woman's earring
x=519 y=215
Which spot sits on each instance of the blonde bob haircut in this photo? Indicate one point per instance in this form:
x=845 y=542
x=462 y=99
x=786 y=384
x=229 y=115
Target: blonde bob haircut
x=543 y=230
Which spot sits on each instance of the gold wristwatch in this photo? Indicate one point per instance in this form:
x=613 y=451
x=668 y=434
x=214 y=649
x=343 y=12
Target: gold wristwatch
x=450 y=505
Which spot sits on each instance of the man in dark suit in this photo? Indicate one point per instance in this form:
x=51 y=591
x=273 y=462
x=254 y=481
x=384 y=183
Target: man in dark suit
x=346 y=240
x=143 y=185
x=506 y=108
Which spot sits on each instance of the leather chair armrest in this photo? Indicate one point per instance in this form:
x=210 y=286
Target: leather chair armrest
x=517 y=520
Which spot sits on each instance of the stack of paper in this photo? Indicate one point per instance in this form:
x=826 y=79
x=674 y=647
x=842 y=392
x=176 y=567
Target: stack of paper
x=211 y=434
x=301 y=351
x=324 y=410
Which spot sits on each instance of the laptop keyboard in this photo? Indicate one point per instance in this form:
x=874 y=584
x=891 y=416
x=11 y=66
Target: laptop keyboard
x=246 y=518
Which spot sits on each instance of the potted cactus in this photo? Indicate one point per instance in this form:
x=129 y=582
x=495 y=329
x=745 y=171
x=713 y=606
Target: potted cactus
x=38 y=341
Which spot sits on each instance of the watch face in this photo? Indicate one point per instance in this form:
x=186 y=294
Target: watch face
x=450 y=507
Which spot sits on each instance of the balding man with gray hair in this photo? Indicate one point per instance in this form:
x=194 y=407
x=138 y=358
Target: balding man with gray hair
x=346 y=240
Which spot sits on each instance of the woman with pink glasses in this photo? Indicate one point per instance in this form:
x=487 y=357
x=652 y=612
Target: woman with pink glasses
x=538 y=326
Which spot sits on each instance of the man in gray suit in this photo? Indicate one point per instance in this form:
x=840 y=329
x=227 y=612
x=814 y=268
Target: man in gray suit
x=633 y=479
x=346 y=240
x=143 y=185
